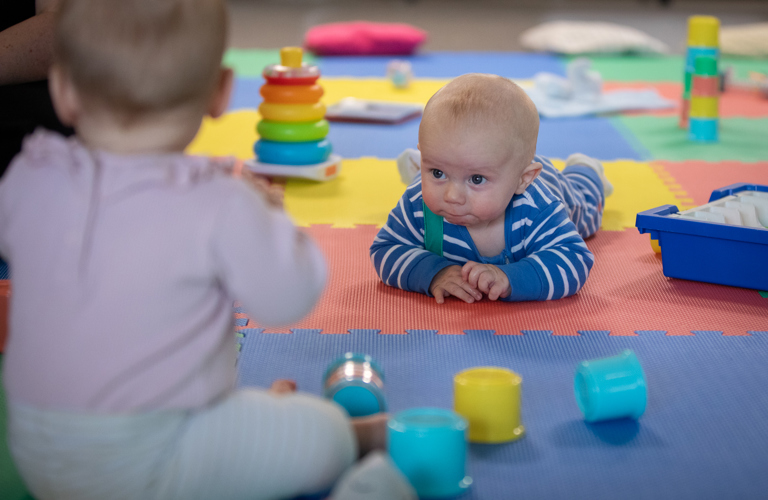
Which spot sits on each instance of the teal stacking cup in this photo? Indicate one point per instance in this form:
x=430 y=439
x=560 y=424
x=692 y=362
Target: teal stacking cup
x=355 y=382
x=611 y=388
x=429 y=446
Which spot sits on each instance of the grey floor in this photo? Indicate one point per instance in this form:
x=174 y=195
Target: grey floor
x=476 y=24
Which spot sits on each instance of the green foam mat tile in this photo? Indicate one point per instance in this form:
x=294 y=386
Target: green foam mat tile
x=11 y=485
x=660 y=138
x=649 y=68
x=251 y=62
x=638 y=68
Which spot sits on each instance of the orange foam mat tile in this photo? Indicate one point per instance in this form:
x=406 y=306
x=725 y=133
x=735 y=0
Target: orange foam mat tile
x=626 y=292
x=699 y=178
x=733 y=103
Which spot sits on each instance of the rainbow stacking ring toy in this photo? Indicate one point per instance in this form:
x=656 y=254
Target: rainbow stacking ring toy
x=611 y=388
x=293 y=128
x=429 y=446
x=355 y=382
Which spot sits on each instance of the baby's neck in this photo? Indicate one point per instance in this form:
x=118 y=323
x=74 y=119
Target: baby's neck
x=154 y=133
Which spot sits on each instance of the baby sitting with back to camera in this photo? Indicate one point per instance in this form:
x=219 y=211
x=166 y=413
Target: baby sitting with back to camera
x=508 y=224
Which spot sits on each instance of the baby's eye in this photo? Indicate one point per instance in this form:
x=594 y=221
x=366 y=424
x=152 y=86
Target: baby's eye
x=437 y=173
x=477 y=179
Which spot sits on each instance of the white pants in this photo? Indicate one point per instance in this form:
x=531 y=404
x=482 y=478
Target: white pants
x=251 y=445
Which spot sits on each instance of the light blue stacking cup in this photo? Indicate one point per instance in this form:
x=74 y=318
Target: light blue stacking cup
x=611 y=387
x=355 y=382
x=429 y=446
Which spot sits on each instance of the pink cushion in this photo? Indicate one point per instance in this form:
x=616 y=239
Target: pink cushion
x=364 y=38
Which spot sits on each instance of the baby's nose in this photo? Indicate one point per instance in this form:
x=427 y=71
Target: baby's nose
x=454 y=194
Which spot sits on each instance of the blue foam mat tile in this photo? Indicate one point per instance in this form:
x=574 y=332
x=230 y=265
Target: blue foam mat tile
x=479 y=332
x=245 y=94
x=241 y=321
x=421 y=332
x=537 y=332
x=356 y=140
x=364 y=331
x=446 y=64
x=707 y=332
x=651 y=332
x=5 y=272
x=592 y=136
x=702 y=436
x=593 y=332
x=306 y=331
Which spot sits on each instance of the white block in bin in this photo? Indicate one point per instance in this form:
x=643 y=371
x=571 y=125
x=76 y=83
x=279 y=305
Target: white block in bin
x=760 y=203
x=709 y=216
x=732 y=216
x=748 y=213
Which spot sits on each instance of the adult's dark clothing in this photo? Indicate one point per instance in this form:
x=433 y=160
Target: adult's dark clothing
x=23 y=106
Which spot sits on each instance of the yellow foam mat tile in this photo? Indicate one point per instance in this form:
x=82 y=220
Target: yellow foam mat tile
x=364 y=192
x=233 y=134
x=368 y=188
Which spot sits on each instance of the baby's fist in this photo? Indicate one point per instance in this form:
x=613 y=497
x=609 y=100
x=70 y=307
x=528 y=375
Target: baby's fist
x=487 y=278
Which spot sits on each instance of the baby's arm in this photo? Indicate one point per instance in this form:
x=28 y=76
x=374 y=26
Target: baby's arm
x=557 y=260
x=398 y=252
x=264 y=261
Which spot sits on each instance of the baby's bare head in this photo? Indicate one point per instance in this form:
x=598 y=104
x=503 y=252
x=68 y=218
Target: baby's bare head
x=138 y=56
x=484 y=104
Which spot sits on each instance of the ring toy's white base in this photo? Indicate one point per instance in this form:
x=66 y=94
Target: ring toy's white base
x=317 y=171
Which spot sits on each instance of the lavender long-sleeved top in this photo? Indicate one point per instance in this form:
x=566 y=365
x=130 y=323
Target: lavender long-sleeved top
x=125 y=269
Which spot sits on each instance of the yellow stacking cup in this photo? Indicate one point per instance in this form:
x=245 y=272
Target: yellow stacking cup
x=489 y=398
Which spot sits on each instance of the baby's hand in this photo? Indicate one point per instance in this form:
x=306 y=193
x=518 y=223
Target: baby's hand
x=283 y=386
x=272 y=192
x=449 y=282
x=487 y=278
x=371 y=432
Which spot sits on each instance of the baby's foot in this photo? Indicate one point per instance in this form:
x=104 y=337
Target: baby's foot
x=409 y=165
x=587 y=161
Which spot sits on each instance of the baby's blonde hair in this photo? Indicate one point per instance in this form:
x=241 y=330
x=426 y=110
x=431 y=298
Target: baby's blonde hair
x=481 y=100
x=136 y=56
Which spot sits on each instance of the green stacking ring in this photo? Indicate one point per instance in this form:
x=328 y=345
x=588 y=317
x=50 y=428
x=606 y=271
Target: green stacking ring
x=292 y=131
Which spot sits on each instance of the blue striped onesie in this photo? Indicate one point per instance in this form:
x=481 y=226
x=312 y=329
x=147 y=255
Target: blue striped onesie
x=545 y=256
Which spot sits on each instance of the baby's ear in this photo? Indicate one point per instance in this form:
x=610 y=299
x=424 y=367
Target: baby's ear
x=528 y=176
x=66 y=100
x=220 y=99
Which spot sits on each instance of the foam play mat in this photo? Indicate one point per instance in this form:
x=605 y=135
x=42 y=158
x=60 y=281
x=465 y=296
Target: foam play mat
x=703 y=346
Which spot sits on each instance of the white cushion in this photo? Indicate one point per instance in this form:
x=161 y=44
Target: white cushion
x=576 y=37
x=745 y=40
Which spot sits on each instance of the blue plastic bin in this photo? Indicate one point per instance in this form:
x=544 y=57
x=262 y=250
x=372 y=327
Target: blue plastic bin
x=709 y=251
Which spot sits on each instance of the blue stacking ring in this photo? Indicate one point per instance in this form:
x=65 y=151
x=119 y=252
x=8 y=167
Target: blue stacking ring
x=611 y=388
x=429 y=446
x=292 y=153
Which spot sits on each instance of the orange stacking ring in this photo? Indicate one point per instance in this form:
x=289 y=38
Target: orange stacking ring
x=292 y=112
x=291 y=94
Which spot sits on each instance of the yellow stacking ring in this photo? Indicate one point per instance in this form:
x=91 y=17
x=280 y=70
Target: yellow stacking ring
x=292 y=131
x=292 y=112
x=291 y=94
